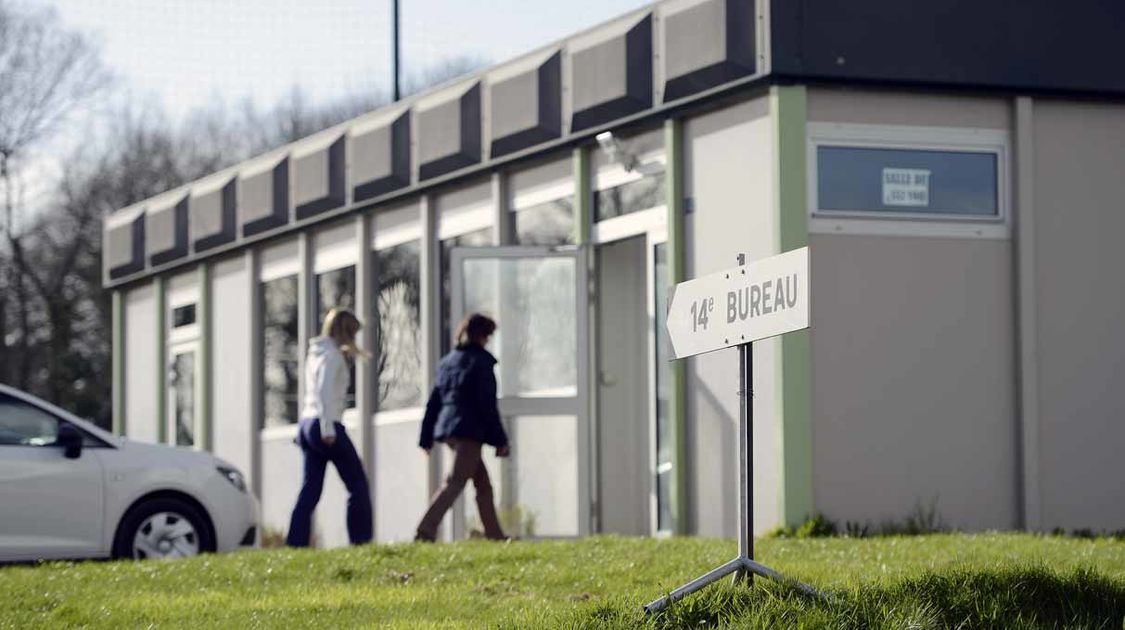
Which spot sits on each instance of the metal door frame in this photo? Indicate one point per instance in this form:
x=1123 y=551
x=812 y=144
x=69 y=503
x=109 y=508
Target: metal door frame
x=652 y=226
x=577 y=405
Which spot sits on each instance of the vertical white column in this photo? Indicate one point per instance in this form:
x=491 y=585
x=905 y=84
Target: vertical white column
x=1026 y=310
x=161 y=285
x=502 y=233
x=365 y=370
x=431 y=317
x=118 y=359
x=205 y=439
x=257 y=412
x=306 y=305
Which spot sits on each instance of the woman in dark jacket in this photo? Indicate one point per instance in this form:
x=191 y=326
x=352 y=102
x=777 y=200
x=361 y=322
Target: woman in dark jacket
x=462 y=412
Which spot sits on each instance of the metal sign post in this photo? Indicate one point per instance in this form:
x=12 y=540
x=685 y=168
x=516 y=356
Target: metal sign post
x=767 y=298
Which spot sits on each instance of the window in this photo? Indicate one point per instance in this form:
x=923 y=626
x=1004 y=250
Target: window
x=24 y=424
x=549 y=223
x=534 y=300
x=182 y=380
x=907 y=180
x=635 y=196
x=477 y=238
x=336 y=289
x=541 y=200
x=183 y=316
x=281 y=354
x=398 y=309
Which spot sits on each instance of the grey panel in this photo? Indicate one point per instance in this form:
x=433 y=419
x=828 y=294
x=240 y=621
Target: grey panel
x=265 y=199
x=913 y=109
x=1033 y=45
x=706 y=45
x=125 y=250
x=318 y=180
x=167 y=232
x=213 y=217
x=913 y=382
x=727 y=170
x=381 y=159
x=613 y=78
x=449 y=135
x=401 y=482
x=527 y=108
x=1078 y=188
x=281 y=481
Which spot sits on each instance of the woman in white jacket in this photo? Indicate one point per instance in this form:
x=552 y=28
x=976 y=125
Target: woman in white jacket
x=321 y=435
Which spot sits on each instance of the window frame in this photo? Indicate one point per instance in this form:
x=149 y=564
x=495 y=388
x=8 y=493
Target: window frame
x=909 y=138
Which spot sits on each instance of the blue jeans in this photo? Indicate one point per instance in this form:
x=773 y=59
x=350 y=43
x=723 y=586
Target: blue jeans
x=343 y=456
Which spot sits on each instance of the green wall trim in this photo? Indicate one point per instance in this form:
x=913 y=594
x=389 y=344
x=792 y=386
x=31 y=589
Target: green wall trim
x=583 y=200
x=160 y=285
x=118 y=357
x=788 y=105
x=206 y=370
x=677 y=247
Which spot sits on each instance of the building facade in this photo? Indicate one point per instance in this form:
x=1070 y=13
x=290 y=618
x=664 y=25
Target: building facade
x=959 y=184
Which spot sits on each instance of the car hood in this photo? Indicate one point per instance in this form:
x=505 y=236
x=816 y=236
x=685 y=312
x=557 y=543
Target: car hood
x=169 y=455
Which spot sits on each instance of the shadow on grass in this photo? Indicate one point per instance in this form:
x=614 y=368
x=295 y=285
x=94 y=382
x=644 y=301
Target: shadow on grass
x=1010 y=599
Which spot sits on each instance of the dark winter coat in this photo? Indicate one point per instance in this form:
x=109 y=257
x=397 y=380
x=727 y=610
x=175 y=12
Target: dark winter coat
x=463 y=401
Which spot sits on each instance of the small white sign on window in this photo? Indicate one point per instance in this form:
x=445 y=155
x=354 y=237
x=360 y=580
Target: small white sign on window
x=906 y=187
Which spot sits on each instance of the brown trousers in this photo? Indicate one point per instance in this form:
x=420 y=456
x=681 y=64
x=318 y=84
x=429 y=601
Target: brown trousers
x=467 y=464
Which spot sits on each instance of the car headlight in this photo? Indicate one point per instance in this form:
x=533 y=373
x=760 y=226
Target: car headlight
x=233 y=476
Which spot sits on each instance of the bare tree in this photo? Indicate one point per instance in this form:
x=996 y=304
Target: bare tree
x=46 y=72
x=138 y=153
x=445 y=70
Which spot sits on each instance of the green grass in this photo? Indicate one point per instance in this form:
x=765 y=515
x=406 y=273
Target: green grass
x=939 y=581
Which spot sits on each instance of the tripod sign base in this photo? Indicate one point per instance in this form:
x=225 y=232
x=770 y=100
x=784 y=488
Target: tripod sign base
x=740 y=564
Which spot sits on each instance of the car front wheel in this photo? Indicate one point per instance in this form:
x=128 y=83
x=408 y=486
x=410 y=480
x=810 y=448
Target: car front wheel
x=162 y=528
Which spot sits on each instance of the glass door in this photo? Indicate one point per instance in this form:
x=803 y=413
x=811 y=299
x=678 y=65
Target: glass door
x=181 y=400
x=538 y=296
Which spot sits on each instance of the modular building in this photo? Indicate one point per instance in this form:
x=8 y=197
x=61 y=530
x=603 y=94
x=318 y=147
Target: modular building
x=957 y=170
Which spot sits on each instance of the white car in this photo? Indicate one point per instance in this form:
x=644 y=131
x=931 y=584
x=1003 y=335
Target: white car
x=71 y=490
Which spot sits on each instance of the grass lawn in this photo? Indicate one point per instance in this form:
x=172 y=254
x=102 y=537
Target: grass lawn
x=939 y=581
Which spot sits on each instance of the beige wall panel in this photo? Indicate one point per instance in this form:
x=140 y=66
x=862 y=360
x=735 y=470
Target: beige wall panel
x=142 y=417
x=729 y=178
x=401 y=478
x=1080 y=223
x=281 y=481
x=233 y=429
x=876 y=107
x=282 y=465
x=913 y=379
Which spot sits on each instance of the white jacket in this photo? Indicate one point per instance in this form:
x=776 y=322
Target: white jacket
x=326 y=384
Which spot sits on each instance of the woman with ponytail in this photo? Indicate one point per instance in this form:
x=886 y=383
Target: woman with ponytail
x=321 y=434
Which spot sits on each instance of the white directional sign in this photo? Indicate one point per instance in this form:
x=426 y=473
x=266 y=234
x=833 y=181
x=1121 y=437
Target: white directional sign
x=760 y=299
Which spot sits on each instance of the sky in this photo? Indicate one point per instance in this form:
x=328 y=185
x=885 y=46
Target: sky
x=184 y=54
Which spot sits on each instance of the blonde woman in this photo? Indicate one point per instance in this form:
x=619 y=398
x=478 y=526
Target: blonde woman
x=321 y=435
